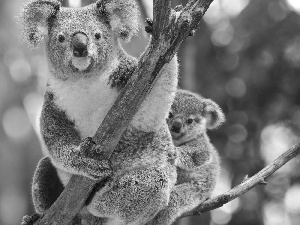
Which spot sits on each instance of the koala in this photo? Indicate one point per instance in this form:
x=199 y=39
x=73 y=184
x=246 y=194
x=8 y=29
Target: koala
x=88 y=69
x=197 y=160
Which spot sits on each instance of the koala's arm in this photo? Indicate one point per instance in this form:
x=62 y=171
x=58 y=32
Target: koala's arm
x=154 y=110
x=190 y=156
x=123 y=73
x=64 y=145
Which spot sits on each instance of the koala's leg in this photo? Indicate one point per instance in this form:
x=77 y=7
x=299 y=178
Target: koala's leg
x=184 y=198
x=154 y=110
x=46 y=186
x=134 y=198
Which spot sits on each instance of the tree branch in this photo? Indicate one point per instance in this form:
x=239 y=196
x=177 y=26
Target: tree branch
x=168 y=33
x=247 y=184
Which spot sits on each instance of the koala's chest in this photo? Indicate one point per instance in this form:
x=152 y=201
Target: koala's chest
x=86 y=102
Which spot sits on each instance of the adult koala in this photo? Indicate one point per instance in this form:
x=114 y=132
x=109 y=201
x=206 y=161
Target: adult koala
x=88 y=68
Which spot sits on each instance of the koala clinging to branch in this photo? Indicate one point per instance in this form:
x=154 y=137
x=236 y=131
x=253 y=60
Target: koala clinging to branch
x=197 y=161
x=88 y=68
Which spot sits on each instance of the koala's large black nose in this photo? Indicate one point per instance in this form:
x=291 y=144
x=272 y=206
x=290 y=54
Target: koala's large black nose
x=176 y=126
x=79 y=44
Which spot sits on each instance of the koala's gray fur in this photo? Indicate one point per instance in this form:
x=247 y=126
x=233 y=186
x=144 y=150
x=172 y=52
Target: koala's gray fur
x=88 y=68
x=198 y=161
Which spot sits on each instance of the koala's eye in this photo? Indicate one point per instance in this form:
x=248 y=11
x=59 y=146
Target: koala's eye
x=189 y=121
x=97 y=36
x=61 y=38
x=170 y=115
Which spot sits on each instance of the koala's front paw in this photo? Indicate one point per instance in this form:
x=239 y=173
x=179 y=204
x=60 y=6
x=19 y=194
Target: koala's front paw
x=30 y=220
x=90 y=149
x=172 y=157
x=87 y=147
x=98 y=169
x=96 y=163
x=149 y=26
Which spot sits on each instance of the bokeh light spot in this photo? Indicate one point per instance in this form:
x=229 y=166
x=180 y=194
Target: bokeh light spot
x=274 y=214
x=296 y=118
x=266 y=59
x=12 y=206
x=20 y=70
x=294 y=5
x=238 y=117
x=236 y=87
x=16 y=123
x=292 y=199
x=12 y=55
x=292 y=52
x=235 y=9
x=223 y=35
x=221 y=9
x=275 y=140
x=237 y=133
x=75 y=3
x=276 y=12
x=219 y=216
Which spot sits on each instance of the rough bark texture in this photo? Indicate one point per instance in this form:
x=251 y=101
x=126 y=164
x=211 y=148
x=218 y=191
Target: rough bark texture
x=168 y=33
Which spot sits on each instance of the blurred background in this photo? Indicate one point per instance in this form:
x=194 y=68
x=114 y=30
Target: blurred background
x=246 y=57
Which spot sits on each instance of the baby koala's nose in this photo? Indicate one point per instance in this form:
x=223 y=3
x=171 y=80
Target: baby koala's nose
x=176 y=126
x=79 y=43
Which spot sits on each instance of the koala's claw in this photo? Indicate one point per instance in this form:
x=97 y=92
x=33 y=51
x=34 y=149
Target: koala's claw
x=30 y=220
x=178 y=8
x=149 y=26
x=192 y=33
x=101 y=170
x=172 y=157
x=87 y=146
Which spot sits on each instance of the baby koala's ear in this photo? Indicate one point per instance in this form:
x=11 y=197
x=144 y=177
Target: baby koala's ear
x=213 y=114
x=123 y=16
x=34 y=20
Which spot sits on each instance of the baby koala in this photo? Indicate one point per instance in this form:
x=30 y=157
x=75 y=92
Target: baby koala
x=197 y=160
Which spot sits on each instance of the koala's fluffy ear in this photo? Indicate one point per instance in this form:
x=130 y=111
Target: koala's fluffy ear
x=213 y=114
x=34 y=19
x=123 y=16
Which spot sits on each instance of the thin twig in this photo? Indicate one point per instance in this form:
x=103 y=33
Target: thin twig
x=247 y=184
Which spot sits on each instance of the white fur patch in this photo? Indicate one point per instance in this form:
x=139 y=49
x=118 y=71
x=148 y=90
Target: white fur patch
x=64 y=176
x=81 y=63
x=86 y=100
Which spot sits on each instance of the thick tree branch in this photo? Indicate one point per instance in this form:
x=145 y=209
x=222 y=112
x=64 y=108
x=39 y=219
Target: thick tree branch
x=169 y=32
x=247 y=184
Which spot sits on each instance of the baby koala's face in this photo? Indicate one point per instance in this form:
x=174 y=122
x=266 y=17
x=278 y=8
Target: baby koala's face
x=186 y=119
x=191 y=115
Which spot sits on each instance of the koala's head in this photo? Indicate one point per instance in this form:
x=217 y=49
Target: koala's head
x=79 y=41
x=191 y=115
